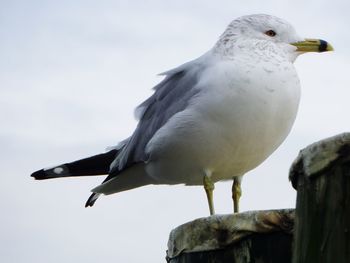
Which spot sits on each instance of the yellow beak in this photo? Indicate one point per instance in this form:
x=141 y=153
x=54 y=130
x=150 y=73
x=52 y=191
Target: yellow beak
x=313 y=45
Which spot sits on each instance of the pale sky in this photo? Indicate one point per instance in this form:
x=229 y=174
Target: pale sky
x=71 y=74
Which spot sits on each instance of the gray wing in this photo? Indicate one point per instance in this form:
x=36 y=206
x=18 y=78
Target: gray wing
x=171 y=96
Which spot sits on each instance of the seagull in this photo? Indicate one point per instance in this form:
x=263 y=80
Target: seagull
x=211 y=119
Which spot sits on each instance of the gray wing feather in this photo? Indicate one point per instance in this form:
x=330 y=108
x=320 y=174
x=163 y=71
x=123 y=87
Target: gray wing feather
x=171 y=96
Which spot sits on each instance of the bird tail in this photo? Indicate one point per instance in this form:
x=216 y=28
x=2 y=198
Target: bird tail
x=94 y=165
x=130 y=178
x=92 y=199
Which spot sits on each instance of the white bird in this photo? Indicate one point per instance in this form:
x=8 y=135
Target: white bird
x=211 y=119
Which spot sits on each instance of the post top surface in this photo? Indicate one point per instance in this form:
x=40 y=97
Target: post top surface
x=319 y=155
x=219 y=231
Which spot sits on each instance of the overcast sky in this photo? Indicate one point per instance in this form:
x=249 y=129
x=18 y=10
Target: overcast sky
x=71 y=74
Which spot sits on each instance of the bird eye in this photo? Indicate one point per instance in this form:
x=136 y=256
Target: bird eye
x=270 y=33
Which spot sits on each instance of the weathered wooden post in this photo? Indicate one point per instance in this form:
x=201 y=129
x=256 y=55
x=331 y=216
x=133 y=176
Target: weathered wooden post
x=238 y=238
x=321 y=174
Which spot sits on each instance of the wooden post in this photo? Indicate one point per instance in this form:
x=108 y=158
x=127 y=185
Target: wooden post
x=321 y=174
x=255 y=236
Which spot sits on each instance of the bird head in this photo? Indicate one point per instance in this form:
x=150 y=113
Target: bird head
x=261 y=31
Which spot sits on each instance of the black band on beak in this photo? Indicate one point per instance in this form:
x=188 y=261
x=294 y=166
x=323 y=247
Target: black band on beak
x=323 y=46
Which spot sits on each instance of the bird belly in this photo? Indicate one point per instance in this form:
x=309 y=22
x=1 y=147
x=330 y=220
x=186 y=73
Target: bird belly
x=225 y=131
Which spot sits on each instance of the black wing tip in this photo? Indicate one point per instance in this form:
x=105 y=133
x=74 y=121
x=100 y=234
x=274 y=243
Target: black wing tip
x=40 y=175
x=50 y=173
x=91 y=200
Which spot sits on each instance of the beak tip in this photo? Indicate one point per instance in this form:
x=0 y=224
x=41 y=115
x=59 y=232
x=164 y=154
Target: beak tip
x=325 y=46
x=330 y=48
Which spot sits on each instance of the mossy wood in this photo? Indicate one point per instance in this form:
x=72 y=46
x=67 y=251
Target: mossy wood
x=321 y=175
x=254 y=236
x=257 y=248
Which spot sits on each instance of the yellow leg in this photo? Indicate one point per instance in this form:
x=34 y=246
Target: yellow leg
x=209 y=188
x=236 y=193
